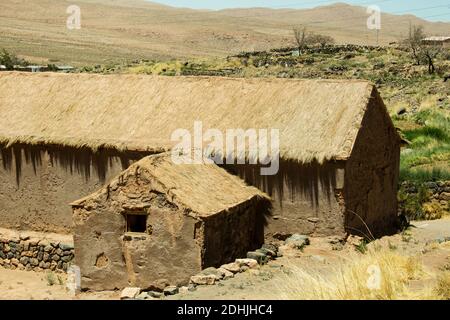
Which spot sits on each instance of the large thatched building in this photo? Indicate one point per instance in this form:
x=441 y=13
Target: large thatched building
x=63 y=135
x=159 y=220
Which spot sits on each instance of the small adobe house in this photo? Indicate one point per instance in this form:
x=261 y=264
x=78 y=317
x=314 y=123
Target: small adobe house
x=62 y=136
x=159 y=220
x=443 y=41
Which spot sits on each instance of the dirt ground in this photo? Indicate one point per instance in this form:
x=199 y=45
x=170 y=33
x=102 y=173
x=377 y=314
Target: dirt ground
x=261 y=284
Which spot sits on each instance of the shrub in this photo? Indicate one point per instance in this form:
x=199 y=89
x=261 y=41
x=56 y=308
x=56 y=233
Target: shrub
x=51 y=279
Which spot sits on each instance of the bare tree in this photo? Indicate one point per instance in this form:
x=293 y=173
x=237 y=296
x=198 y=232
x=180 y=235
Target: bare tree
x=414 y=42
x=430 y=52
x=304 y=38
x=319 y=39
x=300 y=34
x=422 y=51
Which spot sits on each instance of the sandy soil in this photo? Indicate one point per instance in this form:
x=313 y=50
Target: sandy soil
x=127 y=30
x=321 y=258
x=254 y=284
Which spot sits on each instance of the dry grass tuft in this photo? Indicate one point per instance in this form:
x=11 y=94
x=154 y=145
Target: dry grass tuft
x=443 y=286
x=352 y=279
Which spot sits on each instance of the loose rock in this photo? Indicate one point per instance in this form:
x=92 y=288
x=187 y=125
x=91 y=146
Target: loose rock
x=232 y=267
x=225 y=273
x=170 y=290
x=130 y=293
x=202 y=279
x=297 y=241
x=251 y=263
x=258 y=256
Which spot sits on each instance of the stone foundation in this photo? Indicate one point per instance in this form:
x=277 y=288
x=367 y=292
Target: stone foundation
x=35 y=251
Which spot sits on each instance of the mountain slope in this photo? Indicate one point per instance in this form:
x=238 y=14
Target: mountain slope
x=115 y=30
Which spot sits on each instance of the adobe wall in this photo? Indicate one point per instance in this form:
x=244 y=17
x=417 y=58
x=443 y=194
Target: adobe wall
x=37 y=184
x=372 y=174
x=232 y=233
x=307 y=199
x=110 y=258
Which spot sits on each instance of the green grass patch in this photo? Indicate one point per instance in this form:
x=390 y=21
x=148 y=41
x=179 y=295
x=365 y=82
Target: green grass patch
x=424 y=175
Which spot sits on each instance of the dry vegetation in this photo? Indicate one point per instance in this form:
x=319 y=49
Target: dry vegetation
x=349 y=279
x=124 y=30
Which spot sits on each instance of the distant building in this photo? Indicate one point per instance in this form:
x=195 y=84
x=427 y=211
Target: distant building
x=64 y=69
x=437 y=40
x=31 y=68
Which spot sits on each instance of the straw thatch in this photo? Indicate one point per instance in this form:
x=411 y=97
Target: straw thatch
x=318 y=119
x=204 y=189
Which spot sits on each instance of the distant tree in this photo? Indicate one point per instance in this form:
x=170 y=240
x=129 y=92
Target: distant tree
x=6 y=59
x=304 y=38
x=9 y=60
x=429 y=53
x=414 y=42
x=300 y=35
x=421 y=51
x=319 y=39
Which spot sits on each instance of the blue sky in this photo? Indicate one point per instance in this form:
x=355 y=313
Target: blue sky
x=435 y=10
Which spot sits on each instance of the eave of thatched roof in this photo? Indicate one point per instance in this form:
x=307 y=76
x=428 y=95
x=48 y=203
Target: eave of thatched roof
x=318 y=119
x=203 y=189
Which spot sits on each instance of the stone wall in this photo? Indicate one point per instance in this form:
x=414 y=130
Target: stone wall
x=428 y=200
x=35 y=251
x=439 y=191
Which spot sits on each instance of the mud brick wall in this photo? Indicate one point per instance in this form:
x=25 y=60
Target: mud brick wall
x=37 y=255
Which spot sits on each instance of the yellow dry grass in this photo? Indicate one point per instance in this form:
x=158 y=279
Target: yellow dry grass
x=317 y=119
x=205 y=189
x=443 y=285
x=351 y=279
x=117 y=30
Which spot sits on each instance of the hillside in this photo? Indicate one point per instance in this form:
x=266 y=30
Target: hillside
x=118 y=30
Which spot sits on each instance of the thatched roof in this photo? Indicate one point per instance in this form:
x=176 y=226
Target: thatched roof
x=204 y=189
x=317 y=119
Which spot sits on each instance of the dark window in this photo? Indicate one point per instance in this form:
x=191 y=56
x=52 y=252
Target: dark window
x=136 y=222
